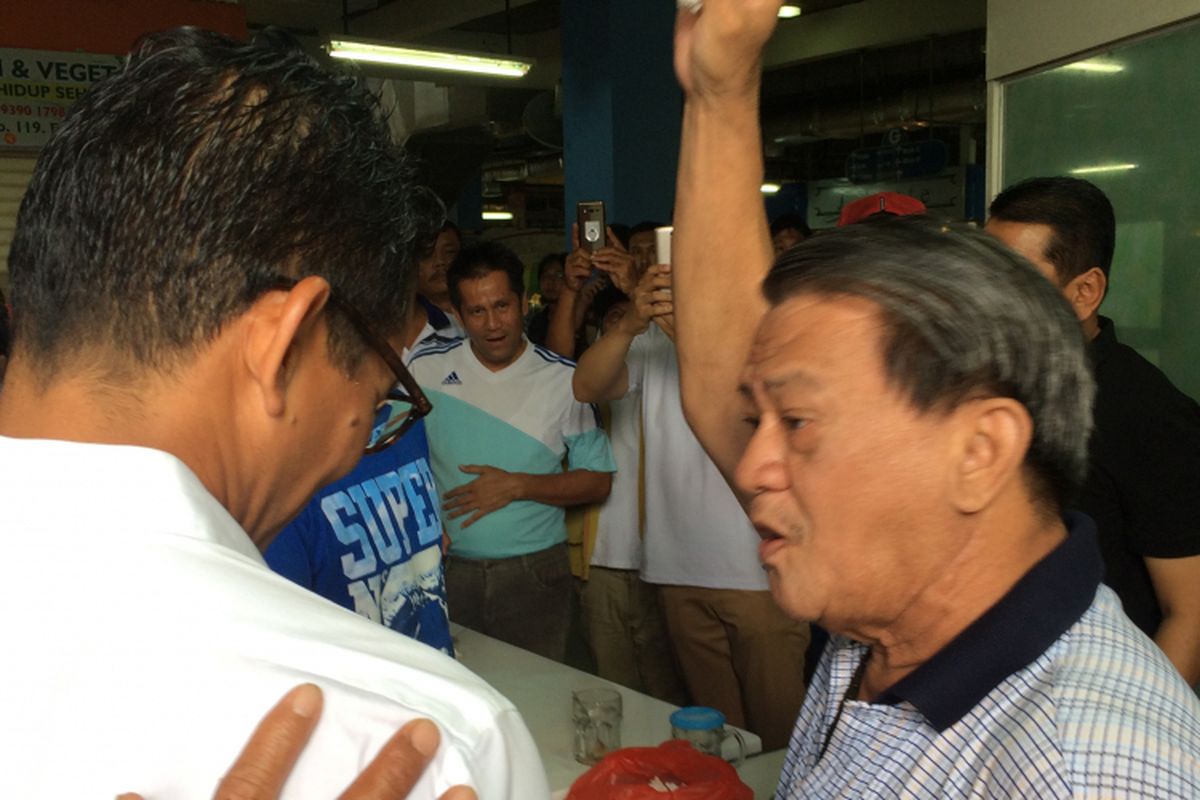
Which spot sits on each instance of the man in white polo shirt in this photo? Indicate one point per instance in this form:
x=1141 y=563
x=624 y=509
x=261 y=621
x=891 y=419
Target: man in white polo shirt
x=505 y=420
x=213 y=248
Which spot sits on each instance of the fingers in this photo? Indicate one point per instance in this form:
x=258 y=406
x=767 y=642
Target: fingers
x=473 y=469
x=478 y=515
x=459 y=793
x=576 y=270
x=393 y=773
x=460 y=504
x=613 y=241
x=269 y=755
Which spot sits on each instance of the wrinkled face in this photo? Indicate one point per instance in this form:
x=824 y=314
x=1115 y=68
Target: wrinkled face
x=431 y=270
x=641 y=247
x=786 y=239
x=1029 y=240
x=847 y=480
x=550 y=282
x=491 y=313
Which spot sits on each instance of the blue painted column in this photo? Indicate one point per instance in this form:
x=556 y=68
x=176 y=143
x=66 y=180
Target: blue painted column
x=621 y=107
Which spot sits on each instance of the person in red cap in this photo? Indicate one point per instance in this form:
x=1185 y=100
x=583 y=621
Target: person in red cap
x=892 y=203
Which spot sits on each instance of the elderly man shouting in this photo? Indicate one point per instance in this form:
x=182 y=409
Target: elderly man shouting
x=910 y=407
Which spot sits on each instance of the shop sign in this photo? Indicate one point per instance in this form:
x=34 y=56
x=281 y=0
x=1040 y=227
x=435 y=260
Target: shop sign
x=37 y=87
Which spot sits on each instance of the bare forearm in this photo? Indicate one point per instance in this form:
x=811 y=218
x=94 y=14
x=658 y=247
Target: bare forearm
x=1179 y=638
x=721 y=252
x=1176 y=583
x=601 y=374
x=572 y=488
x=560 y=336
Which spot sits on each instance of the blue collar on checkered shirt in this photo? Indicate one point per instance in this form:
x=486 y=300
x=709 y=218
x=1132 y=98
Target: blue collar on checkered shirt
x=1039 y=608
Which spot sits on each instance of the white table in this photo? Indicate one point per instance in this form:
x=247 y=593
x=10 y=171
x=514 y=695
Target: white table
x=541 y=691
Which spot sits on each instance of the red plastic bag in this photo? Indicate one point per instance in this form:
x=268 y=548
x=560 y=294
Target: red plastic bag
x=628 y=774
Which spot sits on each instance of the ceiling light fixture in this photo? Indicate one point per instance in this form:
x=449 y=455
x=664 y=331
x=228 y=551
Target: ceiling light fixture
x=771 y=188
x=1091 y=65
x=789 y=11
x=1103 y=168
x=498 y=216
x=440 y=60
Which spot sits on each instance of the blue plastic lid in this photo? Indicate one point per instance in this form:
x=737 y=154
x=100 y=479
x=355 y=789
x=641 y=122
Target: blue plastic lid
x=697 y=718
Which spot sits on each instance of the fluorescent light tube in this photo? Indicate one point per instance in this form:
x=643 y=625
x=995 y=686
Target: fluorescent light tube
x=789 y=11
x=771 y=188
x=1090 y=65
x=1103 y=168
x=441 y=60
x=498 y=216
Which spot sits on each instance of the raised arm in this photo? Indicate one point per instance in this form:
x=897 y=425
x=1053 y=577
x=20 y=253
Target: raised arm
x=722 y=248
x=601 y=374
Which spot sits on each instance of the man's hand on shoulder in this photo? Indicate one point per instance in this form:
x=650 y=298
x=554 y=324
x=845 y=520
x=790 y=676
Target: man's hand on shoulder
x=263 y=766
x=492 y=490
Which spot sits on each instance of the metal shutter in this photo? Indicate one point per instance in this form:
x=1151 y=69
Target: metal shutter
x=15 y=172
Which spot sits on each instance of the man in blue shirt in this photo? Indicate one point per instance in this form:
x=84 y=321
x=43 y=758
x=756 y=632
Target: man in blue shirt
x=371 y=542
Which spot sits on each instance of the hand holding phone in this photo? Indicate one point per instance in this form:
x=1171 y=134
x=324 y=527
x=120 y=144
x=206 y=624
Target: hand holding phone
x=592 y=225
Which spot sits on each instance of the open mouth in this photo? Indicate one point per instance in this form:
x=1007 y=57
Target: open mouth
x=770 y=544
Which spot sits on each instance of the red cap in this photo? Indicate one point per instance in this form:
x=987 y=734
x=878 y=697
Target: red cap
x=895 y=203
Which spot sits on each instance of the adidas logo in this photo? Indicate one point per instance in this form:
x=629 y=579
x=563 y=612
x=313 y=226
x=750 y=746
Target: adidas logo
x=452 y=380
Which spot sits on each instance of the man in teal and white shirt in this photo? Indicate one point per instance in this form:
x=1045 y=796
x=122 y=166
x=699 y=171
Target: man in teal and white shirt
x=505 y=419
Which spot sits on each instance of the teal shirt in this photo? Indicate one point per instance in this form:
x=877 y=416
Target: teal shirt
x=523 y=418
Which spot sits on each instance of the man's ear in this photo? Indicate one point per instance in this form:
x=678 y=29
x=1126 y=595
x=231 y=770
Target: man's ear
x=995 y=435
x=1086 y=291
x=280 y=327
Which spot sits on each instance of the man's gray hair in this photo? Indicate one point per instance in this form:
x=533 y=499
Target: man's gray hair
x=964 y=317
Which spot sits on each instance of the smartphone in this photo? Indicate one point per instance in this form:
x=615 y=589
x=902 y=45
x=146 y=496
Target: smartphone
x=592 y=226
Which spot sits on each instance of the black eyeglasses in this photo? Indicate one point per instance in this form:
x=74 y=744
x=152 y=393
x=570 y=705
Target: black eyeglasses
x=405 y=403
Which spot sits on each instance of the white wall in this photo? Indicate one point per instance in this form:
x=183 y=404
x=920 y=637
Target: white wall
x=1022 y=34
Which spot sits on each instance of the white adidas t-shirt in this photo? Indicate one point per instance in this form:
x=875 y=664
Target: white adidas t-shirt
x=524 y=418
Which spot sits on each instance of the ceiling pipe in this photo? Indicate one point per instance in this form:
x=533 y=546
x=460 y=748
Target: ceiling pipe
x=951 y=104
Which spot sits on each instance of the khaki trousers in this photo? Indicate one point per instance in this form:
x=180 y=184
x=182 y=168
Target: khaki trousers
x=624 y=628
x=739 y=654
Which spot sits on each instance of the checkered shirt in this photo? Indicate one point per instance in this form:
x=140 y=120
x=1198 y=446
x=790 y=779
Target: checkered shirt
x=1092 y=708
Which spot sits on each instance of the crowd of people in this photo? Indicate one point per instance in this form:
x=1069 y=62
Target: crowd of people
x=252 y=365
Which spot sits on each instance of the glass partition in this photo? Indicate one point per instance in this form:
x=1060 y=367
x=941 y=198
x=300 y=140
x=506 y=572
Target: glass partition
x=1128 y=120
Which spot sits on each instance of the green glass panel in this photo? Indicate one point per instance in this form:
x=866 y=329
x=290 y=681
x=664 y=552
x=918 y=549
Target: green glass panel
x=1127 y=119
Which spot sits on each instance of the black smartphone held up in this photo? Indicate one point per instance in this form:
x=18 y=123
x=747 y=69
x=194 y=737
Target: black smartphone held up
x=592 y=227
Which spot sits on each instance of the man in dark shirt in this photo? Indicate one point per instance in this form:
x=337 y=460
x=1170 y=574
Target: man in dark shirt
x=1145 y=447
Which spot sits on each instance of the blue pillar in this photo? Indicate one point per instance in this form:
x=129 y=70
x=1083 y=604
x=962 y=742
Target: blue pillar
x=621 y=107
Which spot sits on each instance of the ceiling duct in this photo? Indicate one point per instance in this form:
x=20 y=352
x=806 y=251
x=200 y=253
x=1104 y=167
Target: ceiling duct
x=950 y=104
x=523 y=170
x=450 y=160
x=542 y=119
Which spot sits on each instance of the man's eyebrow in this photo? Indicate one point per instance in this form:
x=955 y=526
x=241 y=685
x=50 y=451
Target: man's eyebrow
x=797 y=376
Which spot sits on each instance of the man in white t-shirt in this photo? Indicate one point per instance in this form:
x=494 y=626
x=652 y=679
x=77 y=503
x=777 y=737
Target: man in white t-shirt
x=737 y=650
x=213 y=247
x=505 y=420
x=622 y=619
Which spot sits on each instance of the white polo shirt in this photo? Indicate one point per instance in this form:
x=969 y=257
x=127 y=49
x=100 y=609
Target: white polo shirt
x=145 y=637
